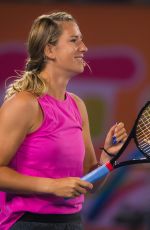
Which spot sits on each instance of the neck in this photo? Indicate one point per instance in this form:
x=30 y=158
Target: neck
x=56 y=84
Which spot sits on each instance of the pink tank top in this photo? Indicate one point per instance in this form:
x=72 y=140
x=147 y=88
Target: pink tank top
x=55 y=150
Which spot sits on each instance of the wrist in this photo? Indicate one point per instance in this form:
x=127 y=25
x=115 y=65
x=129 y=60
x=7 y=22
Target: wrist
x=106 y=152
x=105 y=157
x=98 y=164
x=45 y=186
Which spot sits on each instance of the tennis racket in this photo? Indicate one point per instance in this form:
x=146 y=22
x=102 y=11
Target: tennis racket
x=140 y=133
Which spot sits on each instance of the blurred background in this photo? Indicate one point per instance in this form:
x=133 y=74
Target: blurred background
x=117 y=34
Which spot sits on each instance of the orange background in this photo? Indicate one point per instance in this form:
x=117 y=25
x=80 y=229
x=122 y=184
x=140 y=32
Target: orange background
x=101 y=26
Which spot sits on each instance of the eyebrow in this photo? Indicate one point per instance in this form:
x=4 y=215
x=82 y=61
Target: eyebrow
x=76 y=36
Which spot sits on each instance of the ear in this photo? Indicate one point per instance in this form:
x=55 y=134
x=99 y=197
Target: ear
x=49 y=52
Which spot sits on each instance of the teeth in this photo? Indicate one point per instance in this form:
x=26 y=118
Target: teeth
x=79 y=58
x=82 y=60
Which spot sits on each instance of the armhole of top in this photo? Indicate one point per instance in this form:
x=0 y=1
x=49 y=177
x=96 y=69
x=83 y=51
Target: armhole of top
x=76 y=105
x=43 y=120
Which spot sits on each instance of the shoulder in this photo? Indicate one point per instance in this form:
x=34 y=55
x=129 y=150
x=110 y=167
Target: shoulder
x=78 y=100
x=21 y=100
x=81 y=106
x=21 y=104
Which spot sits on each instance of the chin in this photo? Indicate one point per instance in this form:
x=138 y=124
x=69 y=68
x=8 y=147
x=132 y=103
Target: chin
x=77 y=71
x=80 y=70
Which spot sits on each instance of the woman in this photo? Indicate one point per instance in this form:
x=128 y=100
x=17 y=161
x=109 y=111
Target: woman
x=46 y=133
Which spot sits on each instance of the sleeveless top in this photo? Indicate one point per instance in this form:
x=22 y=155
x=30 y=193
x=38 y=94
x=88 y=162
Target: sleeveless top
x=55 y=150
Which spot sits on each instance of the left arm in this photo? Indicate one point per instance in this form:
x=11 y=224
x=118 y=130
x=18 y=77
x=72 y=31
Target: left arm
x=117 y=131
x=90 y=158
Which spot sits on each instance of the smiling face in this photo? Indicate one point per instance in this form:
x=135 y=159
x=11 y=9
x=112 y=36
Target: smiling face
x=69 y=51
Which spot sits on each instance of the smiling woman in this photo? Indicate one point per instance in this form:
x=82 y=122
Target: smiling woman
x=46 y=133
x=44 y=46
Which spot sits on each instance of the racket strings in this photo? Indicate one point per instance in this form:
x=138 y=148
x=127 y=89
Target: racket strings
x=143 y=131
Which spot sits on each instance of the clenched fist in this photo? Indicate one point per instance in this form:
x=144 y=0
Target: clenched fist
x=70 y=187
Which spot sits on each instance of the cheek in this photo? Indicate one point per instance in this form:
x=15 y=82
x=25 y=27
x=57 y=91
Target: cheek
x=66 y=55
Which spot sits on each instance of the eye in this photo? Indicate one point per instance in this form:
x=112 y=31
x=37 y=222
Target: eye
x=73 y=40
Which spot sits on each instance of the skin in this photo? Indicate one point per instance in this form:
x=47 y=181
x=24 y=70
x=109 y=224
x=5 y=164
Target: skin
x=21 y=115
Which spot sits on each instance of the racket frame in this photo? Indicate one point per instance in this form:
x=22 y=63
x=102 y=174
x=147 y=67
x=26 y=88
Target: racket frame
x=132 y=135
x=103 y=170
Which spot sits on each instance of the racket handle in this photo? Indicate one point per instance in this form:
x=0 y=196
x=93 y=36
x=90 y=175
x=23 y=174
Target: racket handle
x=98 y=173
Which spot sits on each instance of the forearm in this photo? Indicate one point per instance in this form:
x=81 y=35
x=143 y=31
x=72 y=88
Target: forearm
x=95 y=164
x=104 y=158
x=12 y=181
x=89 y=166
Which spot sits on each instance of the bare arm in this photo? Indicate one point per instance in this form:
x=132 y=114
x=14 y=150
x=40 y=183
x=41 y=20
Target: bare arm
x=90 y=158
x=17 y=119
x=90 y=161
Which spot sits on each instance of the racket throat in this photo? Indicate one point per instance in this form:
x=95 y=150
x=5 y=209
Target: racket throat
x=109 y=166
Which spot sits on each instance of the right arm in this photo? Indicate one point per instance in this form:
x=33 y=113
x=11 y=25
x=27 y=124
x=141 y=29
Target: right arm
x=17 y=119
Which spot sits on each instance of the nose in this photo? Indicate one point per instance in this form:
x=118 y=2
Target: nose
x=83 y=47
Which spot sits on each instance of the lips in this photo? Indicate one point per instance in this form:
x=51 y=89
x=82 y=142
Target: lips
x=79 y=56
x=81 y=60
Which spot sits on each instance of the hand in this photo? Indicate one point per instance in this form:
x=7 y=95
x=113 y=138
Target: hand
x=70 y=187
x=119 y=134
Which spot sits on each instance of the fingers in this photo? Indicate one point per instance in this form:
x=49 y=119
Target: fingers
x=121 y=138
x=82 y=187
x=119 y=126
x=81 y=190
x=116 y=128
x=120 y=134
x=76 y=193
x=70 y=187
x=85 y=184
x=78 y=187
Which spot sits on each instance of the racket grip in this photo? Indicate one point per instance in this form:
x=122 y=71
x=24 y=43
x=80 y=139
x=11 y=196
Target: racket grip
x=98 y=173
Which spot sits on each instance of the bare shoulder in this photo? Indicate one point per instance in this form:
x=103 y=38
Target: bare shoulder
x=79 y=101
x=21 y=107
x=23 y=101
x=81 y=106
x=22 y=98
x=16 y=118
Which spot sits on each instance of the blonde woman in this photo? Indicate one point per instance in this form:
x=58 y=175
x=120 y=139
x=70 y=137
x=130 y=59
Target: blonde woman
x=45 y=143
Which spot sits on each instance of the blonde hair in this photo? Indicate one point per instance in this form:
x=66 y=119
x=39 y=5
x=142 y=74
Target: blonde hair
x=46 y=29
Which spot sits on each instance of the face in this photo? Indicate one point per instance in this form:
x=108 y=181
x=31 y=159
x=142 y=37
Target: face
x=70 y=49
